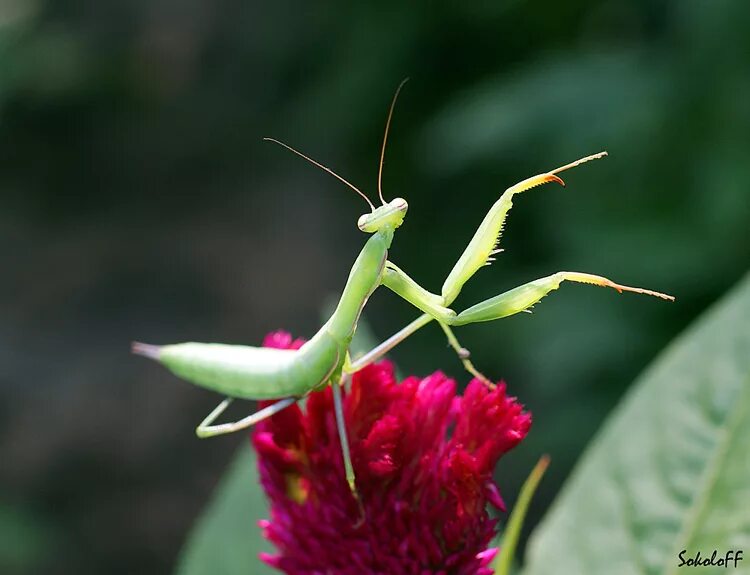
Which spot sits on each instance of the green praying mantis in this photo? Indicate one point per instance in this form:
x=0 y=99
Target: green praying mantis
x=256 y=373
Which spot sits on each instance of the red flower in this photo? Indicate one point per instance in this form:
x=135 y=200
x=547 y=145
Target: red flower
x=423 y=459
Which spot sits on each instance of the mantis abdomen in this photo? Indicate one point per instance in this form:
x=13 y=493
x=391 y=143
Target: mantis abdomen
x=252 y=372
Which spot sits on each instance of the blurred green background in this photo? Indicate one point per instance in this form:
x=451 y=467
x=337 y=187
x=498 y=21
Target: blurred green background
x=138 y=201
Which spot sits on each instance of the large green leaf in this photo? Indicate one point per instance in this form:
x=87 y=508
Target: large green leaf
x=671 y=469
x=227 y=540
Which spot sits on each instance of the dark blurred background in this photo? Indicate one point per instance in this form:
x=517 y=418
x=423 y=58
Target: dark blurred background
x=139 y=202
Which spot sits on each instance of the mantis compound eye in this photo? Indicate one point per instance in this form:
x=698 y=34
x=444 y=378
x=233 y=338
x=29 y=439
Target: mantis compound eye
x=362 y=221
x=399 y=205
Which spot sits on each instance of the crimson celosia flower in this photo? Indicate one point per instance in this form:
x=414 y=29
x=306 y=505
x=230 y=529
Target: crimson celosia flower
x=423 y=459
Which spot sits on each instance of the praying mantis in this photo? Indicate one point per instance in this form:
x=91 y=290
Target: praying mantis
x=287 y=376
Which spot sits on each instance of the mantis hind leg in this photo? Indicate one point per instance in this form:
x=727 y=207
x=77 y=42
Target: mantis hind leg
x=205 y=429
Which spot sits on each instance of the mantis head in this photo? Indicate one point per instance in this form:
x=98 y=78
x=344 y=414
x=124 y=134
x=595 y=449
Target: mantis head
x=388 y=215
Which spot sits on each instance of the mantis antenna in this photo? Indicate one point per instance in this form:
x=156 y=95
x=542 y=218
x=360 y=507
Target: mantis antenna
x=385 y=138
x=322 y=167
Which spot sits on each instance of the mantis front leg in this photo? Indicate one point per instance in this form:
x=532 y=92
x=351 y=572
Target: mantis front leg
x=527 y=295
x=478 y=253
x=506 y=304
x=483 y=244
x=399 y=282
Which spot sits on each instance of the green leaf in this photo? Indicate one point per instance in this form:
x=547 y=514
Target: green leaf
x=226 y=540
x=28 y=542
x=671 y=469
x=503 y=563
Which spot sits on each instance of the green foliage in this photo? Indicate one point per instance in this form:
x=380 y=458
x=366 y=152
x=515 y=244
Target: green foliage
x=227 y=539
x=26 y=543
x=504 y=562
x=670 y=470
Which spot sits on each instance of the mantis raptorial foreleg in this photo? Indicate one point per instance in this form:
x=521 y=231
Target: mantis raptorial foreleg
x=508 y=303
x=483 y=244
x=477 y=254
x=525 y=296
x=397 y=280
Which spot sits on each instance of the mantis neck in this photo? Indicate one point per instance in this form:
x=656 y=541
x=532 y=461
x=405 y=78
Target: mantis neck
x=363 y=279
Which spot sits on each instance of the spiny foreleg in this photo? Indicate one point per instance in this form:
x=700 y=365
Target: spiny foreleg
x=431 y=304
x=484 y=243
x=525 y=296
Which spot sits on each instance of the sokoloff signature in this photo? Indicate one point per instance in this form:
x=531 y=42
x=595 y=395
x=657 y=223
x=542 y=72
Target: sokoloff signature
x=729 y=559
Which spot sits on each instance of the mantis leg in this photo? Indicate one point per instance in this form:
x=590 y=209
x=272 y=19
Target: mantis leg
x=338 y=410
x=205 y=429
x=509 y=303
x=376 y=353
x=464 y=355
x=524 y=297
x=343 y=437
x=432 y=304
x=483 y=245
x=399 y=282
x=478 y=253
